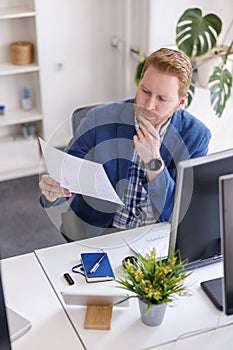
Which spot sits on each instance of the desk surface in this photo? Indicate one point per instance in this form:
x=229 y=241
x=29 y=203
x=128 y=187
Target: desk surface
x=28 y=292
x=190 y=314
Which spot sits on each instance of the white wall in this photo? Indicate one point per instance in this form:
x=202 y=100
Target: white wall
x=136 y=37
x=75 y=35
x=221 y=128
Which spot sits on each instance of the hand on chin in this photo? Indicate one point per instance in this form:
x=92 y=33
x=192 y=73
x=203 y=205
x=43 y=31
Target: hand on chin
x=145 y=115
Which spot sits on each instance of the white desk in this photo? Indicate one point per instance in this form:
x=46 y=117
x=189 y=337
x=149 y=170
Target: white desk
x=28 y=292
x=127 y=331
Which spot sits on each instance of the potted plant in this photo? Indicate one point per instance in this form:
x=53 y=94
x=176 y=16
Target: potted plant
x=197 y=36
x=155 y=282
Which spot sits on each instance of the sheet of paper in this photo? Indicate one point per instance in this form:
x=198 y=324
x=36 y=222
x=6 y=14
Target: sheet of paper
x=78 y=175
x=155 y=236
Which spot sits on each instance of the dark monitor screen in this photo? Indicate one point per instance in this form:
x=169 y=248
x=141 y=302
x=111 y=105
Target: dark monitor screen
x=226 y=221
x=195 y=227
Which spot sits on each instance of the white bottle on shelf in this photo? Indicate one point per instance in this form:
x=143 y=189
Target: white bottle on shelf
x=26 y=100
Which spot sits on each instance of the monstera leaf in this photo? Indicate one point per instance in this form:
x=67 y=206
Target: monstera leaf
x=191 y=93
x=195 y=34
x=220 y=89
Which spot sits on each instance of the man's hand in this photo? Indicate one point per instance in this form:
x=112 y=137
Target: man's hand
x=52 y=189
x=147 y=141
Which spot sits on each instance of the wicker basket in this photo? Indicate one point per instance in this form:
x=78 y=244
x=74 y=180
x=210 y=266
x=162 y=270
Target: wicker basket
x=21 y=52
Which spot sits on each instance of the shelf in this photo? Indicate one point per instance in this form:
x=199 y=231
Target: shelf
x=23 y=156
x=19 y=116
x=10 y=69
x=7 y=174
x=17 y=140
x=16 y=12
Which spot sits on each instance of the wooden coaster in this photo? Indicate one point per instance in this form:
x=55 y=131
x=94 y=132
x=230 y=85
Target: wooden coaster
x=98 y=317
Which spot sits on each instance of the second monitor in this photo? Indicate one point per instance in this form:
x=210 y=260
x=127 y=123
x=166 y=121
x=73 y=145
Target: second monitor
x=220 y=290
x=195 y=227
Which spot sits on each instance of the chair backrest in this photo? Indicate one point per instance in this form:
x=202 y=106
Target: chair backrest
x=78 y=115
x=71 y=225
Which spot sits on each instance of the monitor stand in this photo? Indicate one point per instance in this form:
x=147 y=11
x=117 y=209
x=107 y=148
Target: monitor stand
x=213 y=288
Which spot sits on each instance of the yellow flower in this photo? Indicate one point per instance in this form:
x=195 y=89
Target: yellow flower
x=139 y=276
x=157 y=294
x=166 y=269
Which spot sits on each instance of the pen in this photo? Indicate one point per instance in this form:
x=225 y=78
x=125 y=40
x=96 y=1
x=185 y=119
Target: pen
x=97 y=264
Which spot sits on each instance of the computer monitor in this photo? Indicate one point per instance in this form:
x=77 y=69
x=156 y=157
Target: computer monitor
x=12 y=324
x=220 y=290
x=5 y=343
x=226 y=221
x=195 y=225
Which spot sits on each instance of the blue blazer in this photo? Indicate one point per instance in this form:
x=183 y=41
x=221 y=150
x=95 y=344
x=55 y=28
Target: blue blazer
x=106 y=136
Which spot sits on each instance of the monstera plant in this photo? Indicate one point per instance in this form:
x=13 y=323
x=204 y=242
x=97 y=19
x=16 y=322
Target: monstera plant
x=197 y=36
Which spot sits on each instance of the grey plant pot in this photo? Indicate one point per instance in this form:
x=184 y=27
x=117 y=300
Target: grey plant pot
x=155 y=316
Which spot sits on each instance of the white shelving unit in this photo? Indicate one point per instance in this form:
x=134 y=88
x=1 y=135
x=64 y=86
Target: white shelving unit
x=19 y=156
x=65 y=74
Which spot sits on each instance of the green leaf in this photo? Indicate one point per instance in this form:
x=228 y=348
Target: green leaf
x=220 y=89
x=195 y=34
x=191 y=93
x=139 y=71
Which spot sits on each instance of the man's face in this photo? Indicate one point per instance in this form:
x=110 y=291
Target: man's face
x=157 y=96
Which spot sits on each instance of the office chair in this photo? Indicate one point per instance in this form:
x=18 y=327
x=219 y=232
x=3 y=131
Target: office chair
x=78 y=115
x=71 y=225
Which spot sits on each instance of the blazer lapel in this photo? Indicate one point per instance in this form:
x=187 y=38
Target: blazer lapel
x=124 y=133
x=173 y=148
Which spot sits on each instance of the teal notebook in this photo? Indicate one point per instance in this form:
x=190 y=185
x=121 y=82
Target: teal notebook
x=97 y=267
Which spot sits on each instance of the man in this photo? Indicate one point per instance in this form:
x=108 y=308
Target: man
x=139 y=142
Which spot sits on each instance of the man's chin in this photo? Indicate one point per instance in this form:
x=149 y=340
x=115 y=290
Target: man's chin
x=153 y=120
x=153 y=117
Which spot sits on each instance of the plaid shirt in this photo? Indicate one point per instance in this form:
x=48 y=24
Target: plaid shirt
x=138 y=210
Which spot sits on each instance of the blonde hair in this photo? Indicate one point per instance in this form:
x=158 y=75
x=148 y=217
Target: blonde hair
x=173 y=62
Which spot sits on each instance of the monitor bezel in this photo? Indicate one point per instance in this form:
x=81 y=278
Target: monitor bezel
x=225 y=190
